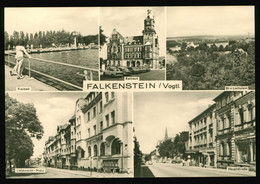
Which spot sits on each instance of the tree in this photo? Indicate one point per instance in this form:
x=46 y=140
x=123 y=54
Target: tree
x=102 y=37
x=137 y=158
x=166 y=148
x=179 y=142
x=21 y=123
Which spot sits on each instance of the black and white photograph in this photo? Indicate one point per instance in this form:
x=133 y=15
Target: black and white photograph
x=211 y=47
x=68 y=135
x=50 y=49
x=135 y=43
x=195 y=134
x=129 y=92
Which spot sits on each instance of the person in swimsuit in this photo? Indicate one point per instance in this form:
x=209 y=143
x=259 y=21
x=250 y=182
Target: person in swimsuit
x=19 y=61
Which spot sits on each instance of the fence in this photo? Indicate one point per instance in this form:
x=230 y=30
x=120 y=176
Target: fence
x=90 y=70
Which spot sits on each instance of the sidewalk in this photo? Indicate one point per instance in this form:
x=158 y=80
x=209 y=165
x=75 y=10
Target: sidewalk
x=11 y=83
x=247 y=173
x=94 y=174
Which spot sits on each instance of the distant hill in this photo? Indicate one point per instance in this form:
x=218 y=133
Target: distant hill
x=210 y=37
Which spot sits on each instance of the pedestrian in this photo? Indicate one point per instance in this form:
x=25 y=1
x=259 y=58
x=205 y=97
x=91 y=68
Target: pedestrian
x=20 y=51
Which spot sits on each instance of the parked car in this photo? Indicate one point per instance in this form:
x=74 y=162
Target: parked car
x=124 y=70
x=134 y=70
x=141 y=69
x=113 y=72
x=146 y=68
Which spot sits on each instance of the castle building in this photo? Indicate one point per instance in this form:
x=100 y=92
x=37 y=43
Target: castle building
x=135 y=51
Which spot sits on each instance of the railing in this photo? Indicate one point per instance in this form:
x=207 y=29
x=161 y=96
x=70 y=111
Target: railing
x=91 y=70
x=225 y=131
x=245 y=125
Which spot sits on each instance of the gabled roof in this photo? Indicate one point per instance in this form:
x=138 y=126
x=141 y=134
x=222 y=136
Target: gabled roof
x=132 y=39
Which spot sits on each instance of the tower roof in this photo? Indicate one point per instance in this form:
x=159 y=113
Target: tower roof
x=150 y=13
x=114 y=31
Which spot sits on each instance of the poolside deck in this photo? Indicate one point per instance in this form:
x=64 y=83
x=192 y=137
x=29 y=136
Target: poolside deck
x=14 y=84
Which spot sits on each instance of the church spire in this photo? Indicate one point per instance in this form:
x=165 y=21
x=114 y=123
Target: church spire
x=166 y=134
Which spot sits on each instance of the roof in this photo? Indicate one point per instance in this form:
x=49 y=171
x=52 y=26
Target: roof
x=132 y=39
x=211 y=107
x=221 y=95
x=116 y=32
x=72 y=118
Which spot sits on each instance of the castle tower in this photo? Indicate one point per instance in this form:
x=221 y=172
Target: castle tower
x=151 y=44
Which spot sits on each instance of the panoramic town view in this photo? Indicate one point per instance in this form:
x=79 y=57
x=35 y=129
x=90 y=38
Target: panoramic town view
x=129 y=92
x=195 y=134
x=69 y=135
x=135 y=44
x=213 y=51
x=58 y=56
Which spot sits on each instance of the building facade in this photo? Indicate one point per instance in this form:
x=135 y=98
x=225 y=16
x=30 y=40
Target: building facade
x=202 y=132
x=224 y=134
x=99 y=136
x=235 y=137
x=135 y=51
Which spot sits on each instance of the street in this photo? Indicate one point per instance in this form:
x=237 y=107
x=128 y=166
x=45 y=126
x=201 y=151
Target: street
x=151 y=75
x=65 y=173
x=176 y=170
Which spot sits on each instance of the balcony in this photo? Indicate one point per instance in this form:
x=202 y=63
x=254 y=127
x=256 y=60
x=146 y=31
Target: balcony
x=225 y=157
x=225 y=131
x=245 y=125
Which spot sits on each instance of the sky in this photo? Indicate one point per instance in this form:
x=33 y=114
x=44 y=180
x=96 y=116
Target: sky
x=52 y=109
x=210 y=20
x=129 y=21
x=31 y=20
x=154 y=111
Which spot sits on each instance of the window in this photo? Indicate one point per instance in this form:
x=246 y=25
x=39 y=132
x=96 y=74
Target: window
x=107 y=120
x=112 y=94
x=251 y=115
x=89 y=132
x=228 y=119
x=102 y=149
x=115 y=147
x=95 y=150
x=241 y=115
x=95 y=129
x=89 y=116
x=113 y=117
x=82 y=153
x=229 y=148
x=100 y=107
x=106 y=96
x=89 y=151
x=221 y=149
x=101 y=126
x=94 y=112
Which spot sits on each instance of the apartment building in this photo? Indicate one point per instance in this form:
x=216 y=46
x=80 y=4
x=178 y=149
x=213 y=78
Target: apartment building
x=99 y=136
x=235 y=137
x=202 y=132
x=224 y=134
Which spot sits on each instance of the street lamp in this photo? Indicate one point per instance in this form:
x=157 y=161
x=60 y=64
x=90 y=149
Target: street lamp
x=75 y=38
